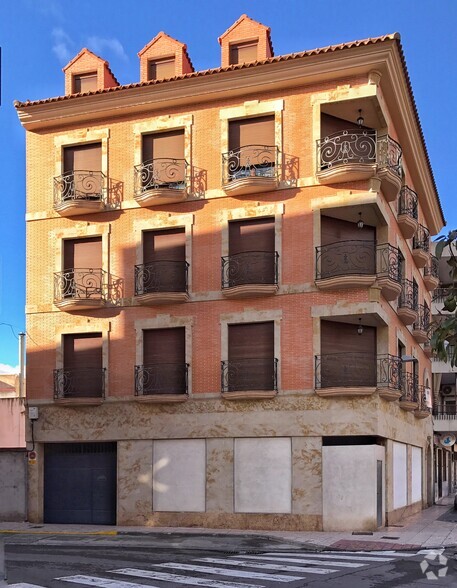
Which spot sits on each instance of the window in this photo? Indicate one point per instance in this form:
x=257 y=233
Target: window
x=159 y=69
x=252 y=257
x=243 y=52
x=82 y=374
x=82 y=275
x=251 y=363
x=164 y=369
x=164 y=266
x=252 y=150
x=164 y=165
x=85 y=82
x=82 y=175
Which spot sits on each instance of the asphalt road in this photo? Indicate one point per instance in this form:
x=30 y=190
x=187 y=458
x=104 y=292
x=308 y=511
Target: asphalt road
x=173 y=560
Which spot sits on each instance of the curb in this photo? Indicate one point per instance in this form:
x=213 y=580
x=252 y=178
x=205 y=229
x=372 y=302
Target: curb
x=18 y=532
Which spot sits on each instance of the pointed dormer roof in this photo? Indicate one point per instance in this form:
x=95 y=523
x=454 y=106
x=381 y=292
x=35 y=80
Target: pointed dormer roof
x=87 y=63
x=244 y=30
x=163 y=47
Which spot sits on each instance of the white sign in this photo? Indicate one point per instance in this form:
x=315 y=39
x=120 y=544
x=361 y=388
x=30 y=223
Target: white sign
x=447 y=440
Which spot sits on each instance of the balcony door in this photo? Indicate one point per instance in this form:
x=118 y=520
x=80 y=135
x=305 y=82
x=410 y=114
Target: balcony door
x=252 y=147
x=346 y=249
x=82 y=170
x=164 y=258
x=251 y=360
x=164 y=361
x=252 y=257
x=347 y=357
x=163 y=160
x=82 y=354
x=82 y=260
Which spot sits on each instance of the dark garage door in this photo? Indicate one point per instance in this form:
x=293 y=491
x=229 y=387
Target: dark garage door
x=80 y=483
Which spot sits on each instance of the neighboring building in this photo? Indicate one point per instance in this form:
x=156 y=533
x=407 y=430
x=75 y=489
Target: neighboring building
x=226 y=290
x=445 y=406
x=12 y=450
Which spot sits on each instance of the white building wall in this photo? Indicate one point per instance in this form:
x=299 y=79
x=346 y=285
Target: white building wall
x=400 y=475
x=416 y=474
x=349 y=482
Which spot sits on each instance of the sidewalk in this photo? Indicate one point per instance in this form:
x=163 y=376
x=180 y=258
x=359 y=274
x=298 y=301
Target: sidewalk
x=426 y=530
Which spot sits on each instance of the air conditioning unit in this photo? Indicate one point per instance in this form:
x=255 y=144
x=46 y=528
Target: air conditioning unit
x=447 y=390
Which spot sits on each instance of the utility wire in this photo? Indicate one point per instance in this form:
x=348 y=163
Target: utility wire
x=11 y=327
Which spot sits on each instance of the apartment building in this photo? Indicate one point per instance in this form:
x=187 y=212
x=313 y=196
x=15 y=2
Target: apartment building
x=228 y=289
x=444 y=383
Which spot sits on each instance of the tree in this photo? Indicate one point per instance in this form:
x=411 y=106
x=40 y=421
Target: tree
x=444 y=328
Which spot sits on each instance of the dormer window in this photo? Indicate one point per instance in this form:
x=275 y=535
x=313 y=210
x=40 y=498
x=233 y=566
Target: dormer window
x=243 y=52
x=86 y=82
x=160 y=69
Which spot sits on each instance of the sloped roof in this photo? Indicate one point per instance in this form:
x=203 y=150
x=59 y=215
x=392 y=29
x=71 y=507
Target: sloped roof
x=240 y=20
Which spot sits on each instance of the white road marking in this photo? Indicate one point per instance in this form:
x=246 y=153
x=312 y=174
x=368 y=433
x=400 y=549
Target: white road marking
x=325 y=555
x=24 y=585
x=430 y=551
x=302 y=560
x=224 y=572
x=188 y=580
x=267 y=566
x=102 y=582
x=384 y=552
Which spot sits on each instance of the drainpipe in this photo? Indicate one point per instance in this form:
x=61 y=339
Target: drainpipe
x=21 y=364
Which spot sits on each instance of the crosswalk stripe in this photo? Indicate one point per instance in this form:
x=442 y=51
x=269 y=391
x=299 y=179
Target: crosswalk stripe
x=24 y=585
x=325 y=555
x=102 y=582
x=343 y=564
x=188 y=580
x=266 y=566
x=383 y=552
x=224 y=572
x=430 y=551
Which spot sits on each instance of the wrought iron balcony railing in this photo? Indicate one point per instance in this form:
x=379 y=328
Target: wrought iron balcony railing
x=422 y=399
x=409 y=387
x=250 y=267
x=240 y=375
x=389 y=262
x=423 y=319
x=345 y=147
x=79 y=383
x=432 y=269
x=80 y=185
x=389 y=155
x=161 y=276
x=344 y=258
x=163 y=172
x=341 y=370
x=161 y=378
x=407 y=202
x=81 y=284
x=409 y=295
x=250 y=161
x=445 y=411
x=362 y=258
x=421 y=239
x=450 y=349
x=440 y=294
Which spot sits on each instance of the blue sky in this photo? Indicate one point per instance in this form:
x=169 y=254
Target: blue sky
x=38 y=37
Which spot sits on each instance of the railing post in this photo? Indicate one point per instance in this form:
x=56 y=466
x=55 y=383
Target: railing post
x=3 y=576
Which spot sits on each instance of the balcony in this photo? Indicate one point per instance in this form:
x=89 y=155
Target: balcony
x=250 y=169
x=80 y=192
x=423 y=410
x=359 y=154
x=431 y=274
x=357 y=264
x=439 y=297
x=161 y=282
x=161 y=382
x=407 y=212
x=79 y=386
x=252 y=273
x=409 y=397
x=407 y=305
x=85 y=289
x=421 y=246
x=161 y=181
x=422 y=324
x=249 y=378
x=357 y=374
x=445 y=417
